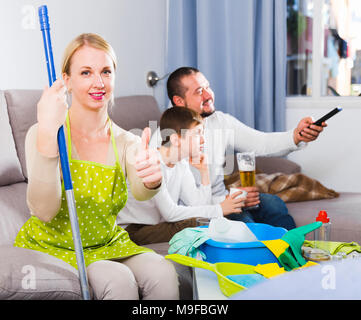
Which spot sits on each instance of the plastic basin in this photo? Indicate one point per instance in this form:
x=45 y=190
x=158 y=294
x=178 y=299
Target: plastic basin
x=251 y=253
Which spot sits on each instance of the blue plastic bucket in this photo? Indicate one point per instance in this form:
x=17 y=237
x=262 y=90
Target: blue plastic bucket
x=252 y=253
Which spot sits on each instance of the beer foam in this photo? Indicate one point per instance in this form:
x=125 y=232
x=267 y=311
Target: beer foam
x=244 y=166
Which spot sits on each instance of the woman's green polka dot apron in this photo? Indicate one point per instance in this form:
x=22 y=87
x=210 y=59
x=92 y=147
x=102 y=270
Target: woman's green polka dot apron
x=100 y=192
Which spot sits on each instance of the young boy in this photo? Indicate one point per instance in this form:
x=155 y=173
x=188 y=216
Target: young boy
x=158 y=219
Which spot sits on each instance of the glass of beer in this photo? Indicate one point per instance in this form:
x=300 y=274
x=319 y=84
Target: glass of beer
x=247 y=170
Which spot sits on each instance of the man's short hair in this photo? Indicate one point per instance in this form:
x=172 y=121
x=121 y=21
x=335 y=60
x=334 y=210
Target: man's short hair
x=176 y=120
x=174 y=85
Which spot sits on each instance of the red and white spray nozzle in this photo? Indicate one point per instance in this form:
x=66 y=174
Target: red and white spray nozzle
x=322 y=216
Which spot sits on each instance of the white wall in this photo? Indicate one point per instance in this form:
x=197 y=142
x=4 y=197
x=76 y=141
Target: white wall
x=135 y=28
x=335 y=157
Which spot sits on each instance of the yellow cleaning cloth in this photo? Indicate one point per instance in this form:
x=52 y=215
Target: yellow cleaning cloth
x=269 y=270
x=308 y=264
x=277 y=246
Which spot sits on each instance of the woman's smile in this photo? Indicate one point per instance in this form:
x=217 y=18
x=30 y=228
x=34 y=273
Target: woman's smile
x=97 y=95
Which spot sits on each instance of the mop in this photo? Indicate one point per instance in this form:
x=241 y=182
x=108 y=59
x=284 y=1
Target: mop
x=45 y=29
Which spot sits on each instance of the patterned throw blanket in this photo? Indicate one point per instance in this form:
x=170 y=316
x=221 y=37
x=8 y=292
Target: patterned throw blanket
x=293 y=187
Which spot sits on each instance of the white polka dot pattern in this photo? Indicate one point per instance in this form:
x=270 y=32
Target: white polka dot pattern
x=100 y=193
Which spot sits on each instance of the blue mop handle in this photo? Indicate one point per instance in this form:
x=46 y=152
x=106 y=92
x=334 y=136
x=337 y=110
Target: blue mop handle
x=45 y=29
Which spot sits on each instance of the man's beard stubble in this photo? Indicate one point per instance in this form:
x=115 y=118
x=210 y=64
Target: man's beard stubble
x=207 y=114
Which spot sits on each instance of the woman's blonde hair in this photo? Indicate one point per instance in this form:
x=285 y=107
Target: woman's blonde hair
x=90 y=39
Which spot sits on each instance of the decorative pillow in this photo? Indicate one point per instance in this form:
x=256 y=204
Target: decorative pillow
x=33 y=275
x=10 y=169
x=293 y=187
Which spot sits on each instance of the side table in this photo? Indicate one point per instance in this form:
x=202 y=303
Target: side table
x=205 y=285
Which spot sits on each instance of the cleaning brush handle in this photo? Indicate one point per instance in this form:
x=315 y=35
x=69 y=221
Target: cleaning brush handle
x=68 y=185
x=45 y=29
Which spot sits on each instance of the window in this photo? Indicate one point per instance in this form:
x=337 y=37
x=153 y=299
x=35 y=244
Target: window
x=323 y=48
x=299 y=47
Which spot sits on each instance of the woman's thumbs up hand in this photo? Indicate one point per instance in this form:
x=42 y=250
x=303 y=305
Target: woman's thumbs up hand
x=147 y=163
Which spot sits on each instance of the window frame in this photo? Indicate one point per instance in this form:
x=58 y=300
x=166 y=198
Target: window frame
x=316 y=100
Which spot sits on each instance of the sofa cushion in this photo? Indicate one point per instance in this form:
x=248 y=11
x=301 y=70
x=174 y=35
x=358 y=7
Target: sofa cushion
x=10 y=168
x=22 y=113
x=13 y=211
x=135 y=113
x=276 y=164
x=28 y=274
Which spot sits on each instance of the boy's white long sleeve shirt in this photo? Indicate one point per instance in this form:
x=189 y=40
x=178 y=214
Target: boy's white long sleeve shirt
x=224 y=135
x=178 y=184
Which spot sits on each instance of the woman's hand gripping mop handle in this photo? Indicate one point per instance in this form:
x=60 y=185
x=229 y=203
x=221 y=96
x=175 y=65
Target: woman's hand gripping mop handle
x=45 y=29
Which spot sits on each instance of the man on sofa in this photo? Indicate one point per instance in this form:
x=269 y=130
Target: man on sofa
x=188 y=87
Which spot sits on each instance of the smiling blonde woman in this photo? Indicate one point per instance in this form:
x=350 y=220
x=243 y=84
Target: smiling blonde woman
x=101 y=157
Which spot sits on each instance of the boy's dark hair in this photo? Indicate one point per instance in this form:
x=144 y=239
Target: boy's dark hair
x=174 y=86
x=175 y=120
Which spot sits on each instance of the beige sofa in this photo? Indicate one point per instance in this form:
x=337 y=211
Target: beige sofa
x=27 y=274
